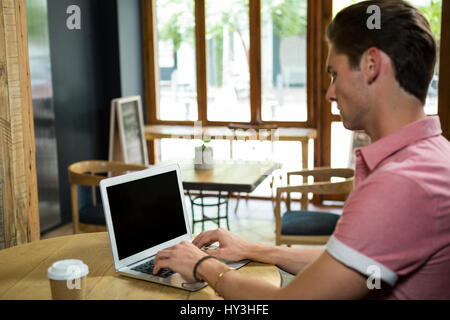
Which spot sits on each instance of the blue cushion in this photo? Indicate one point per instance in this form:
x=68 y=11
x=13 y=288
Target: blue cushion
x=93 y=215
x=308 y=223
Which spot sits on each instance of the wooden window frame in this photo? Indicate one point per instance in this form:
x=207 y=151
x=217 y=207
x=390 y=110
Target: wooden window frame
x=319 y=15
x=151 y=68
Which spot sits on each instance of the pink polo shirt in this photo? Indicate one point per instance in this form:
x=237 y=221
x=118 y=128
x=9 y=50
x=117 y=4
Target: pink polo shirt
x=396 y=223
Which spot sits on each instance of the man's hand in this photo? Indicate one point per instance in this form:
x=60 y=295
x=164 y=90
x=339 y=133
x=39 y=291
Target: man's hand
x=180 y=258
x=231 y=246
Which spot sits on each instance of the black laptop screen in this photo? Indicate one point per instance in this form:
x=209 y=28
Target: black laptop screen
x=146 y=212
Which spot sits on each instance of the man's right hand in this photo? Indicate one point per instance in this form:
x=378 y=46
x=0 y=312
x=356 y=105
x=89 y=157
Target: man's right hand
x=231 y=246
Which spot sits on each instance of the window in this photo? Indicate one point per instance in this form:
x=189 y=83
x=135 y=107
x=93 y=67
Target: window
x=229 y=61
x=432 y=9
x=177 y=92
x=227 y=52
x=283 y=56
x=241 y=61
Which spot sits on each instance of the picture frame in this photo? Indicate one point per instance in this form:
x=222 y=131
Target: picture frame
x=127 y=141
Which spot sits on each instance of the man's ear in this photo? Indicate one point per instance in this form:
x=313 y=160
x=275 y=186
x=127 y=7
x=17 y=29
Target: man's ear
x=371 y=64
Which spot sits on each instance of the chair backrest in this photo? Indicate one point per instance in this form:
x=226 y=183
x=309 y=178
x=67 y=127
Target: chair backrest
x=89 y=173
x=344 y=186
x=322 y=187
x=85 y=173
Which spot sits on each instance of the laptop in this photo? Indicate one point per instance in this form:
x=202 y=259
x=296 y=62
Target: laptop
x=145 y=212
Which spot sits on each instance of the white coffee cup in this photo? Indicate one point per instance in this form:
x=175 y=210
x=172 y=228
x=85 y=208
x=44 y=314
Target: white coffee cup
x=68 y=279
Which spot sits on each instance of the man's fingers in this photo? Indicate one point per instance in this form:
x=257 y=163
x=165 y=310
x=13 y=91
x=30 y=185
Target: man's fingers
x=205 y=239
x=215 y=252
x=162 y=255
x=162 y=263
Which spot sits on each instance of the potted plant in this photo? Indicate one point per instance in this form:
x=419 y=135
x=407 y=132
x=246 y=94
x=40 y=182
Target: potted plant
x=204 y=156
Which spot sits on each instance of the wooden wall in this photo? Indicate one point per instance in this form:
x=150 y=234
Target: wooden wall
x=444 y=72
x=19 y=216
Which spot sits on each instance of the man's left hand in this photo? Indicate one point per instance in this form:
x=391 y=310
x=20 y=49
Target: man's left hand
x=180 y=258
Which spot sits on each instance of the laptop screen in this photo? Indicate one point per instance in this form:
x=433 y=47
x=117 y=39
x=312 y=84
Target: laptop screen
x=146 y=212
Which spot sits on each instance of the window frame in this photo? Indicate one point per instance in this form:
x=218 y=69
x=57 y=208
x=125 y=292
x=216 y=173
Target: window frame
x=319 y=15
x=151 y=68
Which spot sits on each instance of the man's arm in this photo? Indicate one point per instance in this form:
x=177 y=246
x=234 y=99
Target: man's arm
x=234 y=248
x=325 y=278
x=292 y=260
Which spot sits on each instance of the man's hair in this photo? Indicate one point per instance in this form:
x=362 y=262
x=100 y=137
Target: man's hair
x=404 y=35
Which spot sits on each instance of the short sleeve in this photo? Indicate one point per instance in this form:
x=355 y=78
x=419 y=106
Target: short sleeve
x=386 y=222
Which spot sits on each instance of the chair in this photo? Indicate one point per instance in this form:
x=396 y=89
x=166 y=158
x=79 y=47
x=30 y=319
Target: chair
x=310 y=227
x=84 y=179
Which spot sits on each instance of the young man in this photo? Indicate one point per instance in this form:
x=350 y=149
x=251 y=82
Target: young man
x=396 y=223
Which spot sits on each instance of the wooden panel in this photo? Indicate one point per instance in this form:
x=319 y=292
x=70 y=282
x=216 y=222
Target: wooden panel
x=444 y=71
x=325 y=116
x=19 y=215
x=255 y=60
x=319 y=16
x=200 y=47
x=150 y=54
x=150 y=70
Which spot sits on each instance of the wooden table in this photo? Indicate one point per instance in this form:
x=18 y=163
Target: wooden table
x=23 y=272
x=227 y=177
x=302 y=135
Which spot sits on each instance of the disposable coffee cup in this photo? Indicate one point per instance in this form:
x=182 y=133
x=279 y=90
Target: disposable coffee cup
x=68 y=279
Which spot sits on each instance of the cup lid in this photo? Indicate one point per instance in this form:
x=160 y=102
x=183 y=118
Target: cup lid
x=67 y=270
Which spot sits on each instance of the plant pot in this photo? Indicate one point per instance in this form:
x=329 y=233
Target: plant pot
x=203 y=158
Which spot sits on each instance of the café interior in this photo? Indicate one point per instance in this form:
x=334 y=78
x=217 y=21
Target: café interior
x=94 y=88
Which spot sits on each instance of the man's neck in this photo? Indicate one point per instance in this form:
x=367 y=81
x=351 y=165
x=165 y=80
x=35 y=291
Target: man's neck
x=392 y=112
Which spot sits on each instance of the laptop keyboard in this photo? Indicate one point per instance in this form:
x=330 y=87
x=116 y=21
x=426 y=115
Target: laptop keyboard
x=148 y=267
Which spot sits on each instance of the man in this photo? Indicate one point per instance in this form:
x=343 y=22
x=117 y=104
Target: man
x=396 y=223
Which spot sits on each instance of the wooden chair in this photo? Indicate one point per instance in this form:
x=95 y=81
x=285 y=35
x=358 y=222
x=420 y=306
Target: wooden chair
x=84 y=179
x=310 y=227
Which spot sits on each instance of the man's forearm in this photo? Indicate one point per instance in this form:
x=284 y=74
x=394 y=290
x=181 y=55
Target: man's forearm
x=292 y=260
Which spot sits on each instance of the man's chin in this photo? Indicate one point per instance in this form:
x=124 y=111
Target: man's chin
x=350 y=126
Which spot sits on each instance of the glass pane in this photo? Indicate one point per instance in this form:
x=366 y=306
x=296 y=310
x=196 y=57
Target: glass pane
x=283 y=60
x=338 y=5
x=176 y=60
x=432 y=9
x=228 y=43
x=341 y=146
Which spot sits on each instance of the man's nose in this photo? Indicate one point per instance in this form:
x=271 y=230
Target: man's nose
x=331 y=94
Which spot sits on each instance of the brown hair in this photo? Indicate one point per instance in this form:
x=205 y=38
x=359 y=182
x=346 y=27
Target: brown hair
x=404 y=35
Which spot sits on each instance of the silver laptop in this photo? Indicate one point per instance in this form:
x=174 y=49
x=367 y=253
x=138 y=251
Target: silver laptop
x=145 y=212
